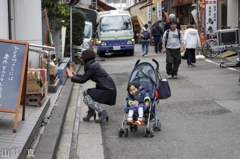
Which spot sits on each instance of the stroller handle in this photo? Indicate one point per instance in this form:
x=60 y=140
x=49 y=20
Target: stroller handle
x=156 y=63
x=137 y=62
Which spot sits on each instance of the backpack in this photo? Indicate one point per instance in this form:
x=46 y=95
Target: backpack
x=145 y=35
x=179 y=36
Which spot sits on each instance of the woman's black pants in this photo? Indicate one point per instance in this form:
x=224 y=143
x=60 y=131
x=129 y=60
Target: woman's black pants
x=191 y=56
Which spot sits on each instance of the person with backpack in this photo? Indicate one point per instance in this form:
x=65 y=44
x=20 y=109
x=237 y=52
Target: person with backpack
x=157 y=34
x=145 y=39
x=173 y=43
x=191 y=42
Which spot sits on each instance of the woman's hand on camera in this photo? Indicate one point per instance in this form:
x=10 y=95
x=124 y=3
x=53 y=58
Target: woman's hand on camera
x=70 y=73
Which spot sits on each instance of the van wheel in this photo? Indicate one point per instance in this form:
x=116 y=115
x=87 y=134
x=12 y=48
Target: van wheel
x=100 y=53
x=131 y=52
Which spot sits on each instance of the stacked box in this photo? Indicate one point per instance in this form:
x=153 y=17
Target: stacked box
x=66 y=59
x=62 y=73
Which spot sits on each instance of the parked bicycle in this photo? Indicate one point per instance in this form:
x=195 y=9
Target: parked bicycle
x=210 y=49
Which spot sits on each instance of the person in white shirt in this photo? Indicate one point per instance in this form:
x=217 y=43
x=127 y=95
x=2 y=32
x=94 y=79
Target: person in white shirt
x=173 y=39
x=191 y=43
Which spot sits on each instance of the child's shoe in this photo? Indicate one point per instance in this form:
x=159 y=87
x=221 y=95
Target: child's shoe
x=139 y=121
x=129 y=121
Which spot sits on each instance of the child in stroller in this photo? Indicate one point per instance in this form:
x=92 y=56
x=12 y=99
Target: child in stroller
x=137 y=99
x=144 y=80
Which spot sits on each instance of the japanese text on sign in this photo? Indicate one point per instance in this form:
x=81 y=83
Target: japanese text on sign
x=3 y=72
x=211 y=16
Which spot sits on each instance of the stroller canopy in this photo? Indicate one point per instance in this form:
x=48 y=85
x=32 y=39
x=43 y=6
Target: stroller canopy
x=143 y=72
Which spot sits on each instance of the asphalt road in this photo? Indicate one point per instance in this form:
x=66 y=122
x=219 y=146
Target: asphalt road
x=199 y=121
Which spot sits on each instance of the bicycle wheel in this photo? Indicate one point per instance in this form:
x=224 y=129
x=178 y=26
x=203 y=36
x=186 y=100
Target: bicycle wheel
x=207 y=48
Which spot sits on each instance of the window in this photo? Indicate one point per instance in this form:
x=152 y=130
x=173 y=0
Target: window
x=87 y=31
x=115 y=23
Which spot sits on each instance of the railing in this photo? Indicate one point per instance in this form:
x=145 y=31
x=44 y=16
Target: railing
x=43 y=52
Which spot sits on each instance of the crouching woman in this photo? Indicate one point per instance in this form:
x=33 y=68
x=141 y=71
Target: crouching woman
x=104 y=92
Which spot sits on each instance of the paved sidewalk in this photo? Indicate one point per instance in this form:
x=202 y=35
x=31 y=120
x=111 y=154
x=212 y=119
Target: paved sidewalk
x=14 y=144
x=89 y=143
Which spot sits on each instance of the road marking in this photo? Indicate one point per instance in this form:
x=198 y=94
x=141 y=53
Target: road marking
x=233 y=69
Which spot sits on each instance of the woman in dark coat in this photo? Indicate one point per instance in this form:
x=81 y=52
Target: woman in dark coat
x=105 y=91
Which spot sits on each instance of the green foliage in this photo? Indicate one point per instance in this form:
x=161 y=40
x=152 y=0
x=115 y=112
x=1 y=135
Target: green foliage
x=57 y=11
x=78 y=24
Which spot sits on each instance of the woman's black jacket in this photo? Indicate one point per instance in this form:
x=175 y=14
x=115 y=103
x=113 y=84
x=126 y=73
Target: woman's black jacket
x=105 y=91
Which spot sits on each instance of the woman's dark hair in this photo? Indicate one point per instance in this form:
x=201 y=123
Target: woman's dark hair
x=133 y=84
x=87 y=55
x=146 y=26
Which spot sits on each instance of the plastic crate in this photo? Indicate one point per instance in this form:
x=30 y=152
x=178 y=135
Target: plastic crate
x=62 y=73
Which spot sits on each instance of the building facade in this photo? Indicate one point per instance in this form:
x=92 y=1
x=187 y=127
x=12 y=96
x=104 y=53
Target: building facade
x=22 y=21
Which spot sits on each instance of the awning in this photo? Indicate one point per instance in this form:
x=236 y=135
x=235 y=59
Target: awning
x=135 y=4
x=105 y=6
x=150 y=3
x=146 y=5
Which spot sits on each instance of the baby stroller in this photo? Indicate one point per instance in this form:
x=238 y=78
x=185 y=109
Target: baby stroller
x=144 y=74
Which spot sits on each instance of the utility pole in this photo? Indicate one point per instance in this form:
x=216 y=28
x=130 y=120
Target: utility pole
x=71 y=3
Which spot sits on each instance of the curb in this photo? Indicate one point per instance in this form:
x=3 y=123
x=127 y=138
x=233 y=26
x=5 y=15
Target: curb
x=49 y=142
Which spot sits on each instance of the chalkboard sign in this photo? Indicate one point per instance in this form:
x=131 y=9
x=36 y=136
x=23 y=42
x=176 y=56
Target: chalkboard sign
x=13 y=69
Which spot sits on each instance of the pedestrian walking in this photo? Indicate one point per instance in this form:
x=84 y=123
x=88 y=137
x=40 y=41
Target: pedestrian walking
x=145 y=39
x=105 y=91
x=157 y=34
x=171 y=18
x=173 y=43
x=191 y=43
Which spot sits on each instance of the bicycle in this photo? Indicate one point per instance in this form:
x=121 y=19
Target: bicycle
x=209 y=48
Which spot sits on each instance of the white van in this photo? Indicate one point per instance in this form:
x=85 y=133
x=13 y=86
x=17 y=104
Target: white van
x=115 y=32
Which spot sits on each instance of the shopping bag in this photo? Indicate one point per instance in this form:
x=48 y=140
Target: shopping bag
x=164 y=90
x=184 y=54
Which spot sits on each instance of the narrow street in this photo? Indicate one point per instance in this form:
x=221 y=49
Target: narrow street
x=200 y=120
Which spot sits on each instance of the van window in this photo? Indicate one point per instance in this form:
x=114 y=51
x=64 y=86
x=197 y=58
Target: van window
x=115 y=23
x=87 y=31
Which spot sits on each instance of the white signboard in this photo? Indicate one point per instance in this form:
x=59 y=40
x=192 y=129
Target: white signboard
x=149 y=14
x=211 y=16
x=159 y=12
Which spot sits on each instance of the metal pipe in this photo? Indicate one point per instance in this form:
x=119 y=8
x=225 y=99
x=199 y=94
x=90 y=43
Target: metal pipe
x=43 y=52
x=41 y=46
x=70 y=33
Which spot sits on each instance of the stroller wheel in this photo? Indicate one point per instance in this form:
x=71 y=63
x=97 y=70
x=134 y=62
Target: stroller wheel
x=135 y=127
x=152 y=132
x=126 y=132
x=154 y=127
x=131 y=127
x=146 y=132
x=159 y=126
x=120 y=132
